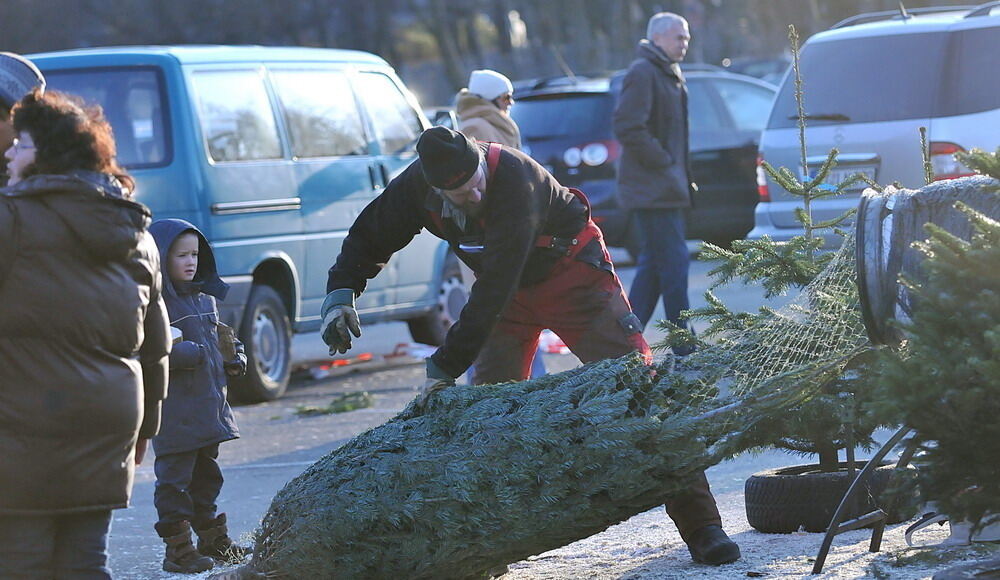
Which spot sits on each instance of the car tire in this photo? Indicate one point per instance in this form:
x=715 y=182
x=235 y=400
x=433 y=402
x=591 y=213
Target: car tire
x=266 y=333
x=432 y=327
x=786 y=499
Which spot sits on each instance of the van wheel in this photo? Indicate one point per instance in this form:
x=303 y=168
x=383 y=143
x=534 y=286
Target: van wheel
x=267 y=337
x=432 y=327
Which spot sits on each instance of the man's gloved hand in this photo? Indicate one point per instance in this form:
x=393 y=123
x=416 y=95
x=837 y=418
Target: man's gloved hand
x=437 y=380
x=238 y=366
x=340 y=320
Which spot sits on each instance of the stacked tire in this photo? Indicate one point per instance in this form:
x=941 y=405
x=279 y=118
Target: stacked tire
x=802 y=497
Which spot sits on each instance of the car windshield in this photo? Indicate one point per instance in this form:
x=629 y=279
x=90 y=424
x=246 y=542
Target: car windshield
x=563 y=115
x=133 y=102
x=890 y=78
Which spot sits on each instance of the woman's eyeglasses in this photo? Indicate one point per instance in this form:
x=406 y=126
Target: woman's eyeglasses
x=18 y=146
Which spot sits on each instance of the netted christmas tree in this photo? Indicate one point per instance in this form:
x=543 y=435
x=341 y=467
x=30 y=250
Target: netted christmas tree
x=838 y=417
x=487 y=475
x=944 y=380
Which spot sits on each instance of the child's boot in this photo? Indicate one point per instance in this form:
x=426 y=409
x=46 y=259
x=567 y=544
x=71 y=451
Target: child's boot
x=181 y=556
x=214 y=540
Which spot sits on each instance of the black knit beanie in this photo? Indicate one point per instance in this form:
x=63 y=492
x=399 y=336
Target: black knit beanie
x=447 y=157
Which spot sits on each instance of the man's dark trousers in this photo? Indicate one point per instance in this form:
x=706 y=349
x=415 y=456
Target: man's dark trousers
x=587 y=308
x=662 y=268
x=187 y=485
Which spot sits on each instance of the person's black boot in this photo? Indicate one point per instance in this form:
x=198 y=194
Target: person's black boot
x=710 y=545
x=181 y=555
x=214 y=540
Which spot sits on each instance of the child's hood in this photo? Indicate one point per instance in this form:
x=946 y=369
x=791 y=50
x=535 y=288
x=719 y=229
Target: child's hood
x=165 y=231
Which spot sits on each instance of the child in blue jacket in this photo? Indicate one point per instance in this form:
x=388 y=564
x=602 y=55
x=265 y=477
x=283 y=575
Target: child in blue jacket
x=196 y=415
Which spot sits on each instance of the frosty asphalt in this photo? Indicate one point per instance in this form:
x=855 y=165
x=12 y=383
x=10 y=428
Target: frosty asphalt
x=277 y=444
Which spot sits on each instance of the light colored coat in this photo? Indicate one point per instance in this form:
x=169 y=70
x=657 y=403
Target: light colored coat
x=482 y=120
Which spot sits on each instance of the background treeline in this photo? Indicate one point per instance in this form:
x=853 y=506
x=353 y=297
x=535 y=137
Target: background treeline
x=434 y=43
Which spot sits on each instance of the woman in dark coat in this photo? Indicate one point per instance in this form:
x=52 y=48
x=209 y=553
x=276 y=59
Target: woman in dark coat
x=83 y=341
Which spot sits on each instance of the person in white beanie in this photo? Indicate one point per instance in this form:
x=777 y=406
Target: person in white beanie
x=483 y=109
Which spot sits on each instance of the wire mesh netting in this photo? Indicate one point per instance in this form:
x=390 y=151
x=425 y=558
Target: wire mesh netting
x=488 y=475
x=780 y=360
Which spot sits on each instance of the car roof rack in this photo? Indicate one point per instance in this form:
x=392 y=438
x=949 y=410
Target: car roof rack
x=897 y=14
x=983 y=9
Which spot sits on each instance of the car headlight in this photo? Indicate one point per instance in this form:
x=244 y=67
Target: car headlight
x=594 y=154
x=572 y=157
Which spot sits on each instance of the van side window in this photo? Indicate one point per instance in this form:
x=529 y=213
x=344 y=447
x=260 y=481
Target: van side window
x=236 y=116
x=134 y=104
x=320 y=113
x=397 y=124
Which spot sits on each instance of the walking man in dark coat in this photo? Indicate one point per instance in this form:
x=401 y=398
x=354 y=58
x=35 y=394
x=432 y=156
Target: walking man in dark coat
x=654 y=179
x=540 y=262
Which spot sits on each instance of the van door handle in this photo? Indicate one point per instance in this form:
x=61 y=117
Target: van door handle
x=376 y=184
x=385 y=173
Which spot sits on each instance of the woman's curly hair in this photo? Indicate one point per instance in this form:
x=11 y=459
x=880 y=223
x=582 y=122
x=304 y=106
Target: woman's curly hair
x=68 y=136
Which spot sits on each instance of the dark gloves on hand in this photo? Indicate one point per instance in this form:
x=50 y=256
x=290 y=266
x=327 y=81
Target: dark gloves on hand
x=437 y=380
x=187 y=354
x=340 y=320
x=238 y=366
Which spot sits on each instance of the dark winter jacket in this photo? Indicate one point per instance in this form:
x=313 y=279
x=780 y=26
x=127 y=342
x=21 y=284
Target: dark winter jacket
x=651 y=122
x=196 y=413
x=83 y=343
x=522 y=201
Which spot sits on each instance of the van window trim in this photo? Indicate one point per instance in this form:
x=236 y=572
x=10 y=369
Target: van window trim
x=407 y=96
x=358 y=105
x=166 y=113
x=261 y=70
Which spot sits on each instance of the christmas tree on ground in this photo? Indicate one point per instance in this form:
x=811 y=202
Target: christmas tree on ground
x=488 y=475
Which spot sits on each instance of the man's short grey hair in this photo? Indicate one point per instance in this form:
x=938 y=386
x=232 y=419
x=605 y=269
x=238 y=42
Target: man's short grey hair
x=662 y=22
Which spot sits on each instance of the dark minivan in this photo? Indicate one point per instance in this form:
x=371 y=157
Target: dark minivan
x=566 y=125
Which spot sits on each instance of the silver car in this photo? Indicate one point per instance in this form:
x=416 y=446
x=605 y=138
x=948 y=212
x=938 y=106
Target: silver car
x=870 y=83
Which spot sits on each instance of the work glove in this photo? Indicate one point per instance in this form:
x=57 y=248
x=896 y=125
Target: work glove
x=437 y=380
x=340 y=320
x=238 y=366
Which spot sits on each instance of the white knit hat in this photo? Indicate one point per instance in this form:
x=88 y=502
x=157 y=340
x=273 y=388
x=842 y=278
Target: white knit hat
x=17 y=77
x=489 y=84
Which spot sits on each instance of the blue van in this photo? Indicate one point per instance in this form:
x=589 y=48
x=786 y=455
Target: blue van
x=272 y=153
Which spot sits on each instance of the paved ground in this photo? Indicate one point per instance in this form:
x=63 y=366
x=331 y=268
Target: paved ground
x=277 y=444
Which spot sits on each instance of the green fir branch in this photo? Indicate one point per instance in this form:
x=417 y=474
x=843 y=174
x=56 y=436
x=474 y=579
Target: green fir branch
x=982 y=162
x=925 y=152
